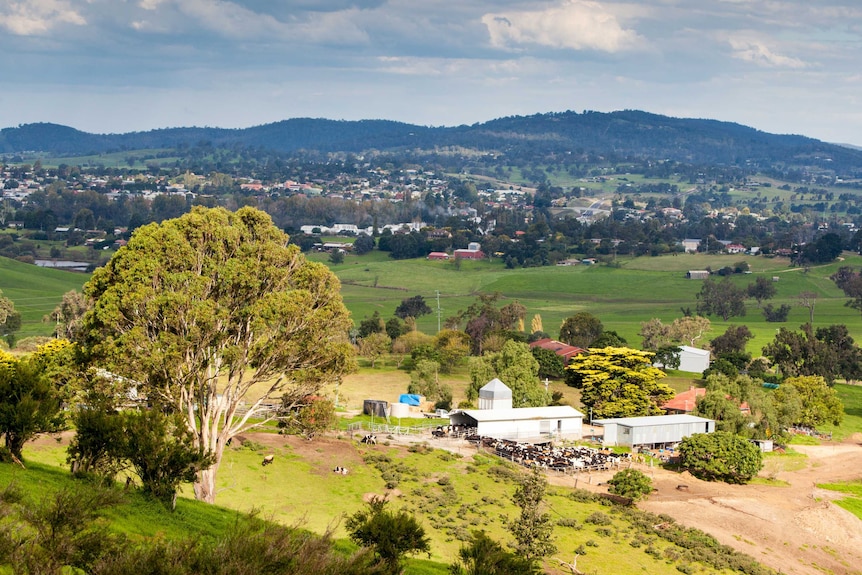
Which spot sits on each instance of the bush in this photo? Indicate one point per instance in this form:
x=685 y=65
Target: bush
x=720 y=456
x=630 y=483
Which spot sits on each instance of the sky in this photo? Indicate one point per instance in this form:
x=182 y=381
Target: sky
x=112 y=66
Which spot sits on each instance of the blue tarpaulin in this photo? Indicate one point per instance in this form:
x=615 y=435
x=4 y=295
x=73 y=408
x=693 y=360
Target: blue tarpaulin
x=410 y=398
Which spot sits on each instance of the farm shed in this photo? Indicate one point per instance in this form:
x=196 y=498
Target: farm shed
x=524 y=423
x=654 y=430
x=697 y=274
x=693 y=359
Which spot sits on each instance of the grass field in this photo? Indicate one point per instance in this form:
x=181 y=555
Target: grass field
x=36 y=292
x=622 y=296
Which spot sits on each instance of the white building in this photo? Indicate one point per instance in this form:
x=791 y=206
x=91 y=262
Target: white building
x=495 y=395
x=654 y=430
x=527 y=424
x=691 y=359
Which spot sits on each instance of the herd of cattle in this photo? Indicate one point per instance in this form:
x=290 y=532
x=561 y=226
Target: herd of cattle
x=547 y=456
x=577 y=458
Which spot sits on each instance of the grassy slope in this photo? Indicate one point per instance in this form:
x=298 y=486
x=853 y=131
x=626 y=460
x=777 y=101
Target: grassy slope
x=301 y=490
x=36 y=292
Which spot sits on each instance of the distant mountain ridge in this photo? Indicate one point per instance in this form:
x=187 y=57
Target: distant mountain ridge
x=624 y=133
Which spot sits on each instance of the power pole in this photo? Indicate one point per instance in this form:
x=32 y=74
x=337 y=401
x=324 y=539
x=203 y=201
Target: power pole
x=439 y=310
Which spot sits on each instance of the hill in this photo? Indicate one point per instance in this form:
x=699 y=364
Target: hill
x=628 y=133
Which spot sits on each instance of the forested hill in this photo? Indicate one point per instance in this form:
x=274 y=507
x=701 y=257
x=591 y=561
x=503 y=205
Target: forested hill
x=625 y=133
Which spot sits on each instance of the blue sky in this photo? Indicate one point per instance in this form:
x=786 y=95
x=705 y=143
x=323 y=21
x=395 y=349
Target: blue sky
x=783 y=66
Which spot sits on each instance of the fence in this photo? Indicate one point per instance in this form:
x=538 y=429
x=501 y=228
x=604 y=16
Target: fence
x=387 y=429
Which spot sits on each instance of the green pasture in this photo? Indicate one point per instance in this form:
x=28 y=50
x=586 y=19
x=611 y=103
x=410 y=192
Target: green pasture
x=851 y=397
x=36 y=292
x=623 y=295
x=108 y=159
x=852 y=503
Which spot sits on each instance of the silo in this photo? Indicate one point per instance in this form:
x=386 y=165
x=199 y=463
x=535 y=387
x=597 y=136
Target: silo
x=495 y=395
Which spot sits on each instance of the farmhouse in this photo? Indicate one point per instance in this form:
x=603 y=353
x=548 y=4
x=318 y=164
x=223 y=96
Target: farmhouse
x=655 y=431
x=564 y=350
x=498 y=419
x=686 y=401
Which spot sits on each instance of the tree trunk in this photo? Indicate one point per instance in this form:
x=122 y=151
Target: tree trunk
x=205 y=484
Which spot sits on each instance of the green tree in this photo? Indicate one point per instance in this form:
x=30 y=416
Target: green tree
x=68 y=314
x=29 y=404
x=161 y=450
x=201 y=309
x=311 y=418
x=818 y=402
x=373 y=346
x=10 y=319
x=391 y=534
x=718 y=406
x=720 y=456
x=619 y=382
x=723 y=299
x=336 y=256
x=532 y=530
x=550 y=364
x=829 y=352
x=630 y=483
x=687 y=330
x=451 y=347
x=369 y=325
x=762 y=289
x=412 y=307
x=484 y=556
x=581 y=329
x=515 y=366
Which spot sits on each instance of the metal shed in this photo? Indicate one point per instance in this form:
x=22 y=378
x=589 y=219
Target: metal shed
x=654 y=430
x=524 y=423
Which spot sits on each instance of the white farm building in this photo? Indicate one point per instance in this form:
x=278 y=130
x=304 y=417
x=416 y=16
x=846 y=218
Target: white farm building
x=654 y=430
x=526 y=424
x=498 y=419
x=691 y=359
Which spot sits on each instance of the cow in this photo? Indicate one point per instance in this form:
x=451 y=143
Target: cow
x=370 y=439
x=267 y=460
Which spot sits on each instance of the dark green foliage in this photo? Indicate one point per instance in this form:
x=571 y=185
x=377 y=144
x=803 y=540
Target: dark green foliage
x=29 y=404
x=668 y=356
x=550 y=364
x=824 y=250
x=336 y=256
x=369 y=325
x=610 y=338
x=412 y=307
x=363 y=245
x=732 y=341
x=390 y=534
x=581 y=329
x=720 y=456
x=715 y=405
x=723 y=299
x=533 y=530
x=776 y=314
x=630 y=483
x=762 y=288
x=159 y=449
x=484 y=556
x=829 y=352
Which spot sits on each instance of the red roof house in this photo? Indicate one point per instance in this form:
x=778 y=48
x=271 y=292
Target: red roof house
x=564 y=350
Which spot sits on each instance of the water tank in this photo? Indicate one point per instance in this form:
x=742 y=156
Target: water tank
x=399 y=410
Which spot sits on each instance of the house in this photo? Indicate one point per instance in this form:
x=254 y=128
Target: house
x=438 y=256
x=564 y=350
x=468 y=254
x=686 y=401
x=697 y=274
x=654 y=431
x=690 y=245
x=735 y=248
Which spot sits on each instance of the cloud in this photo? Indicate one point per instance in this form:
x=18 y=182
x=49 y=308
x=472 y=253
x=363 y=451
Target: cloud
x=757 y=52
x=34 y=17
x=573 y=24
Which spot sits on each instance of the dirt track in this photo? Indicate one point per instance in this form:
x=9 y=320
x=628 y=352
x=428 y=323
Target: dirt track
x=794 y=529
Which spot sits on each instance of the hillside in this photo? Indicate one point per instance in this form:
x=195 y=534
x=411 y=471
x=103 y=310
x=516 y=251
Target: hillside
x=627 y=133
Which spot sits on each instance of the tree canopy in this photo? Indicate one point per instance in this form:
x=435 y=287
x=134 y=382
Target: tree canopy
x=619 y=382
x=581 y=329
x=720 y=456
x=202 y=308
x=724 y=299
x=412 y=307
x=515 y=366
